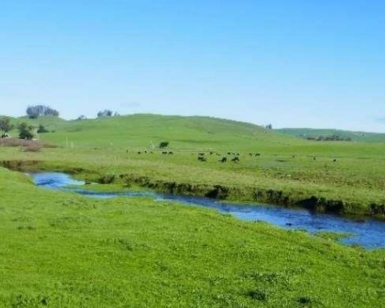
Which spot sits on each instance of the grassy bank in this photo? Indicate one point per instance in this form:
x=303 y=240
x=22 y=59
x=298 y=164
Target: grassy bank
x=344 y=177
x=64 y=250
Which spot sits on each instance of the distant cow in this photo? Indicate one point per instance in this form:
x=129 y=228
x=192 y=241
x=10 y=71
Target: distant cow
x=201 y=158
x=235 y=159
x=223 y=160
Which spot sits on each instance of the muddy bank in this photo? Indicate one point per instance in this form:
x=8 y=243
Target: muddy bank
x=218 y=192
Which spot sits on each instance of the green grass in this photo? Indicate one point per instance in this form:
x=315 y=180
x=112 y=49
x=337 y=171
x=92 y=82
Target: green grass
x=64 y=250
x=336 y=176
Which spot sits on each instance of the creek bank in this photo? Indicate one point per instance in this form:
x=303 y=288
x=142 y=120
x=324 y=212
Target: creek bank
x=246 y=194
x=367 y=232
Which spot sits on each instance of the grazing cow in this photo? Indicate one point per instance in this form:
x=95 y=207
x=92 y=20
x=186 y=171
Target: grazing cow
x=223 y=160
x=139 y=152
x=228 y=153
x=257 y=154
x=211 y=153
x=201 y=158
x=334 y=160
x=235 y=159
x=170 y=153
x=164 y=152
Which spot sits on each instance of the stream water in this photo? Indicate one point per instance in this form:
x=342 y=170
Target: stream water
x=368 y=232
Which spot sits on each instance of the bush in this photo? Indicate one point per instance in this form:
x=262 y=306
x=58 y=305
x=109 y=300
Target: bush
x=163 y=144
x=25 y=131
x=42 y=129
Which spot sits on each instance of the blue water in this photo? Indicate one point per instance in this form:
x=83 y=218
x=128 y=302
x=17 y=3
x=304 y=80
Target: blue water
x=368 y=233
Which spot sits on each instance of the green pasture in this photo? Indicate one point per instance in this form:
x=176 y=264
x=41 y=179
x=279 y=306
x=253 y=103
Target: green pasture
x=64 y=250
x=346 y=176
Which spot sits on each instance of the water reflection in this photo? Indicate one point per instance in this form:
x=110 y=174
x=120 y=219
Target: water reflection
x=368 y=233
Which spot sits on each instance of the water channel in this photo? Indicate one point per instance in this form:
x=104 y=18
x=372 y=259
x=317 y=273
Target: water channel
x=368 y=232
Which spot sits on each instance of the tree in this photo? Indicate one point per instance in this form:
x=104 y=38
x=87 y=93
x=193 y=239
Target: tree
x=5 y=124
x=42 y=129
x=163 y=144
x=25 y=131
x=105 y=113
x=36 y=111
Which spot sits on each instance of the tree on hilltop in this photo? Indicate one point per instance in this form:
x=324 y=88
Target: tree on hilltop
x=33 y=112
x=105 y=113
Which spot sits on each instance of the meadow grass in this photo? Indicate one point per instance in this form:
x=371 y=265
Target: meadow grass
x=333 y=176
x=64 y=250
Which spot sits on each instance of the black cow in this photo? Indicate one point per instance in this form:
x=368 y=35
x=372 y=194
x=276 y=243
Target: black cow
x=235 y=159
x=223 y=160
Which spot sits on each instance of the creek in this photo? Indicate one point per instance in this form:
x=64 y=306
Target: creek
x=366 y=232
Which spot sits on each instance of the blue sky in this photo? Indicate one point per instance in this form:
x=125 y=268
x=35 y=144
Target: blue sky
x=295 y=63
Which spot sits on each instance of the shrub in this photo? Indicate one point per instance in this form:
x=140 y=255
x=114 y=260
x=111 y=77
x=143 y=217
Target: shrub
x=163 y=144
x=42 y=129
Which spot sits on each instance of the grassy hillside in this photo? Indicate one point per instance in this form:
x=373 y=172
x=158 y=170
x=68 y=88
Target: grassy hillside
x=315 y=133
x=342 y=177
x=65 y=250
x=185 y=133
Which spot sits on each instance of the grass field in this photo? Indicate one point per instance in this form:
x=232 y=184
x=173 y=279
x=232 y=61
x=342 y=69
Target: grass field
x=64 y=250
x=332 y=176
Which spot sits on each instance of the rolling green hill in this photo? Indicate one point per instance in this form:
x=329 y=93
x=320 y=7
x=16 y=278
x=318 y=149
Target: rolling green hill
x=146 y=130
x=315 y=133
x=270 y=167
x=60 y=249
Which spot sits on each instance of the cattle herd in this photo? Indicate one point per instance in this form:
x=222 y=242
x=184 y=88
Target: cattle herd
x=203 y=156
x=222 y=158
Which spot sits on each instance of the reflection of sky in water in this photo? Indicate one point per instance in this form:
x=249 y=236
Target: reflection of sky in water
x=368 y=233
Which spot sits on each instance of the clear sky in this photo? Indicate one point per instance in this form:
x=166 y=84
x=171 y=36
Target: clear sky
x=292 y=63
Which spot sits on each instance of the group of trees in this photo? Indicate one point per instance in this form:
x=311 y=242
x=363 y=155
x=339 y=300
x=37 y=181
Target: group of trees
x=107 y=113
x=26 y=131
x=329 y=138
x=33 y=112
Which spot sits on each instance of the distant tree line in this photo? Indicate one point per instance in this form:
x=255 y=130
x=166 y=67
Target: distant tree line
x=107 y=113
x=33 y=112
x=329 y=138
